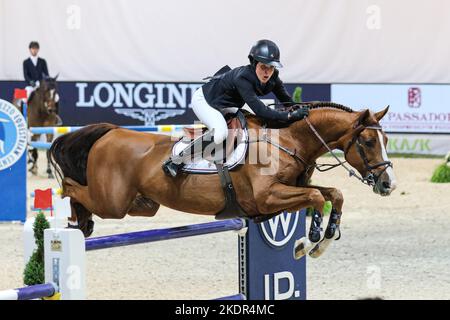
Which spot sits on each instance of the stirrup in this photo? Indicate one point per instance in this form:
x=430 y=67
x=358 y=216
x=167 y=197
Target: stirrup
x=171 y=169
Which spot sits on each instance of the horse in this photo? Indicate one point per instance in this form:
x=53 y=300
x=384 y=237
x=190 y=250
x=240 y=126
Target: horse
x=42 y=111
x=111 y=172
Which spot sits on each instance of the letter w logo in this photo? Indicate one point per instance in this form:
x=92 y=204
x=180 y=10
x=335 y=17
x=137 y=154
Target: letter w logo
x=276 y=237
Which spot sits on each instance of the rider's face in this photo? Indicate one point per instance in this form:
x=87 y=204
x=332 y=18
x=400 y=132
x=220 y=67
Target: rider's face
x=34 y=51
x=264 y=72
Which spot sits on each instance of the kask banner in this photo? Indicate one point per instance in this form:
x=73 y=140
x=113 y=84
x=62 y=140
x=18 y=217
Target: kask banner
x=414 y=108
x=137 y=103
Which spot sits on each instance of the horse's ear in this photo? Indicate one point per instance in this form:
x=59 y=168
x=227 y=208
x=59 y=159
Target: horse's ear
x=362 y=118
x=380 y=114
x=56 y=77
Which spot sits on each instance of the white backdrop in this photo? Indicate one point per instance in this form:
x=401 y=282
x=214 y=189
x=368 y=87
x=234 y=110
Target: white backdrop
x=147 y=40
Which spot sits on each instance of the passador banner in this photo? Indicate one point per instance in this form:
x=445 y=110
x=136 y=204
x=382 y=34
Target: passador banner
x=413 y=108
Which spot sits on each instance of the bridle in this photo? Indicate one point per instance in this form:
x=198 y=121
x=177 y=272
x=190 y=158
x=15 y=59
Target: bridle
x=370 y=179
x=51 y=99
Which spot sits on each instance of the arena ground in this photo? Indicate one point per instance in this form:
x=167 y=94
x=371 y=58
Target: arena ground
x=394 y=248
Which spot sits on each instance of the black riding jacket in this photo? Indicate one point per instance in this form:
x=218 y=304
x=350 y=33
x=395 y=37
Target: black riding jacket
x=34 y=73
x=241 y=85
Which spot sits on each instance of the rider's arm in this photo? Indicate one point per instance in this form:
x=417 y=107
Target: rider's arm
x=44 y=67
x=248 y=94
x=25 y=73
x=281 y=93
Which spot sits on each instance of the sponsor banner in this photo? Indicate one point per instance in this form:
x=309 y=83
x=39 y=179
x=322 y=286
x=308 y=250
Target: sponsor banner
x=13 y=143
x=431 y=144
x=136 y=103
x=282 y=277
x=413 y=108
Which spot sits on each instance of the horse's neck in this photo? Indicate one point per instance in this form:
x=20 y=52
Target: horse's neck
x=330 y=124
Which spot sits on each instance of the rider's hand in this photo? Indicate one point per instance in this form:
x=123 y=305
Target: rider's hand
x=298 y=114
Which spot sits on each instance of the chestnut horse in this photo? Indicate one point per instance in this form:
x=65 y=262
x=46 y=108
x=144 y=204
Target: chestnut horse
x=110 y=172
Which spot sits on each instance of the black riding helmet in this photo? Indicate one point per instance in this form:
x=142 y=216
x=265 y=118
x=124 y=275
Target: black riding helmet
x=265 y=51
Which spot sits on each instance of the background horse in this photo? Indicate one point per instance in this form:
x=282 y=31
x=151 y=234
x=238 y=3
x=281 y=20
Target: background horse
x=111 y=172
x=42 y=111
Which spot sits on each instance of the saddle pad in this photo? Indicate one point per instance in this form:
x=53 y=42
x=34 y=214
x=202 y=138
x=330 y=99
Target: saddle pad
x=204 y=166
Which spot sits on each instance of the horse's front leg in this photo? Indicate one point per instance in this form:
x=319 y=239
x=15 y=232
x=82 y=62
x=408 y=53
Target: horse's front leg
x=281 y=197
x=33 y=153
x=332 y=232
x=49 y=167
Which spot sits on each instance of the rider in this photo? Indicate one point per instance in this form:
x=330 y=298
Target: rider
x=234 y=88
x=34 y=70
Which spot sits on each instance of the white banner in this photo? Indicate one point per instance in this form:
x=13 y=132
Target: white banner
x=321 y=41
x=431 y=144
x=413 y=108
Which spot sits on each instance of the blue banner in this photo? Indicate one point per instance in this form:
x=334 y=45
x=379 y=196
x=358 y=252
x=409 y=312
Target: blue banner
x=272 y=271
x=136 y=103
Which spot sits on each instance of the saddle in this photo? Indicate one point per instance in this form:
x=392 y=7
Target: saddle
x=235 y=134
x=232 y=151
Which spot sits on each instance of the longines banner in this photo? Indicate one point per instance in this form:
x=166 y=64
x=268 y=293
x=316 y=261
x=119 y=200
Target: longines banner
x=136 y=103
x=413 y=108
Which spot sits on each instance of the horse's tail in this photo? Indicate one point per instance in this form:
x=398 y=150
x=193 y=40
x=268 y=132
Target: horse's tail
x=69 y=152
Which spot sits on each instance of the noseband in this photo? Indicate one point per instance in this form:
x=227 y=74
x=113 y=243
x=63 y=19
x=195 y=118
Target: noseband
x=371 y=177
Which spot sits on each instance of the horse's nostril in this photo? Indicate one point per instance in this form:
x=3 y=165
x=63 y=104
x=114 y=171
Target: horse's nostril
x=386 y=185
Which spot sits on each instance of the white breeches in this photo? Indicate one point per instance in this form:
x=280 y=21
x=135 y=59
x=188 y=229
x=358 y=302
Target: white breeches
x=29 y=90
x=209 y=116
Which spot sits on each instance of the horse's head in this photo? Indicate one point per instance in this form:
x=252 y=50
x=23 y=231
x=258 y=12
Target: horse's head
x=365 y=150
x=48 y=90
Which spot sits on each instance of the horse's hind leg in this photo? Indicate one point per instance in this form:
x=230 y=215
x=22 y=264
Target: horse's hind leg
x=81 y=218
x=332 y=232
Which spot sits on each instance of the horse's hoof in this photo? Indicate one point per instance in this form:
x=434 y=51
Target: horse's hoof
x=301 y=248
x=316 y=251
x=33 y=171
x=51 y=176
x=90 y=228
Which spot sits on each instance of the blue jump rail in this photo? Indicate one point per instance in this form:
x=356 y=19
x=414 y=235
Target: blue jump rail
x=126 y=239
x=29 y=293
x=40 y=145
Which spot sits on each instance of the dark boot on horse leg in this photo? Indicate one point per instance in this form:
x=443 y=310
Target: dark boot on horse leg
x=332 y=232
x=33 y=160
x=49 y=167
x=305 y=244
x=175 y=163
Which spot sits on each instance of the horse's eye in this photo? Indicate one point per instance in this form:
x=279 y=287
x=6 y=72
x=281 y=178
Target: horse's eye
x=369 y=143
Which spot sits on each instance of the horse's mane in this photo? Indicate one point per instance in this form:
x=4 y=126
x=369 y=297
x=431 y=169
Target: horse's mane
x=326 y=104
x=310 y=105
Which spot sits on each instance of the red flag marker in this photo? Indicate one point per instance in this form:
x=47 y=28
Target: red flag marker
x=20 y=94
x=43 y=199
